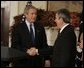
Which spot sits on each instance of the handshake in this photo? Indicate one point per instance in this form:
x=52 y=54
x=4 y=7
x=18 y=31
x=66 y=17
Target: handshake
x=32 y=51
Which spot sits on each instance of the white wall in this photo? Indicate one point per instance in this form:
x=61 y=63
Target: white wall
x=13 y=11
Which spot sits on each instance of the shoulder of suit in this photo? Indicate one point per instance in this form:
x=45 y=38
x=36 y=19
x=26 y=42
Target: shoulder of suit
x=17 y=25
x=69 y=28
x=38 y=24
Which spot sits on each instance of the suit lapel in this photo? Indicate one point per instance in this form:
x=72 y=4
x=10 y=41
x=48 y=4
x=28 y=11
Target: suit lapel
x=37 y=31
x=25 y=31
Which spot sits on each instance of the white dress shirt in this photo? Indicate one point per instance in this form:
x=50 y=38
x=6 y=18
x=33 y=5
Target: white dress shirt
x=28 y=25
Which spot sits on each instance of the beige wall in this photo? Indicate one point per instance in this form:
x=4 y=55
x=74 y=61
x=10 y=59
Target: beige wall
x=37 y=4
x=21 y=6
x=40 y=4
x=72 y=6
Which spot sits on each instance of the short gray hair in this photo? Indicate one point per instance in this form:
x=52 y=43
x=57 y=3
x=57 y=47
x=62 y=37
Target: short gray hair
x=29 y=7
x=64 y=14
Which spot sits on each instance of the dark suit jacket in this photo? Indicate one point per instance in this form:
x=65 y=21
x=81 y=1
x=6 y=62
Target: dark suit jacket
x=64 y=48
x=21 y=40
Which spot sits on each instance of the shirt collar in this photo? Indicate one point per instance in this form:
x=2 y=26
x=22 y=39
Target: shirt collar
x=28 y=23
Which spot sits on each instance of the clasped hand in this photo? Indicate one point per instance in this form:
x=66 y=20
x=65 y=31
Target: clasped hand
x=32 y=51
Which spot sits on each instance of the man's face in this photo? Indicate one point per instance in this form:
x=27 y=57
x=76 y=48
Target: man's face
x=31 y=15
x=58 y=21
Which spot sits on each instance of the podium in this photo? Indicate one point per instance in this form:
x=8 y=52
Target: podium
x=10 y=54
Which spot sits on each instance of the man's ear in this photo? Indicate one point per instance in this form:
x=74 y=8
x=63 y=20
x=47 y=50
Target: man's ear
x=61 y=20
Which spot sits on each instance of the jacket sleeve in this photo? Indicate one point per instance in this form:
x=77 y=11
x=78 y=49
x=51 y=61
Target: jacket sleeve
x=15 y=41
x=45 y=51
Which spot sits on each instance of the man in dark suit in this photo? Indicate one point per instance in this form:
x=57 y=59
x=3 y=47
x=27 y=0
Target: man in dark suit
x=30 y=37
x=65 y=45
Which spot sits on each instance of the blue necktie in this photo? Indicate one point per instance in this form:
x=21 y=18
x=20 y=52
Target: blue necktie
x=31 y=34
